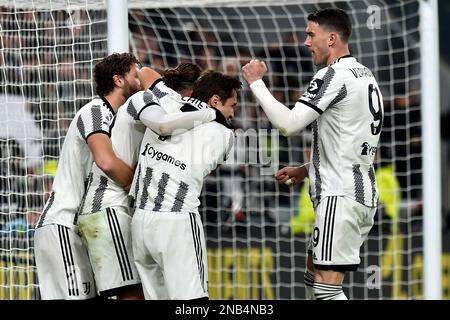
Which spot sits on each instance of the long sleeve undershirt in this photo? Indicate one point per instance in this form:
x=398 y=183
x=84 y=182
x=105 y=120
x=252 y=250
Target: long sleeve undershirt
x=289 y=122
x=163 y=123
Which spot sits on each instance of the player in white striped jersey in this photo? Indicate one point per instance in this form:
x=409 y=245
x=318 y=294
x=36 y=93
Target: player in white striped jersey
x=344 y=105
x=168 y=240
x=62 y=262
x=105 y=221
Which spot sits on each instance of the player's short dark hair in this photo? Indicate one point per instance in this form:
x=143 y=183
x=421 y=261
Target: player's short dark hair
x=212 y=83
x=114 y=64
x=182 y=77
x=334 y=19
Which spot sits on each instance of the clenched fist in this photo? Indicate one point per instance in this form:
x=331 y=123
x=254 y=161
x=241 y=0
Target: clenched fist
x=254 y=70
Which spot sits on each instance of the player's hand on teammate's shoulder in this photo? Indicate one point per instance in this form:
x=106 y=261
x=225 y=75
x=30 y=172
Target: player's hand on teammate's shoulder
x=291 y=176
x=254 y=70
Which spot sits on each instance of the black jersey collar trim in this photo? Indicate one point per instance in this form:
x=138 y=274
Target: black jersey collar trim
x=343 y=57
x=221 y=119
x=108 y=105
x=155 y=83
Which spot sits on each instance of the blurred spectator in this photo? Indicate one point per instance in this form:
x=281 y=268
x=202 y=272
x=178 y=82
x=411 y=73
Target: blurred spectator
x=18 y=124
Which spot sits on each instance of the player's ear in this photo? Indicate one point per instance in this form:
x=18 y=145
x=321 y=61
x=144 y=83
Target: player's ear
x=118 y=80
x=332 y=39
x=214 y=101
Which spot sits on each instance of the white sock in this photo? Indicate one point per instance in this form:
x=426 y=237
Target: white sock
x=308 y=280
x=324 y=291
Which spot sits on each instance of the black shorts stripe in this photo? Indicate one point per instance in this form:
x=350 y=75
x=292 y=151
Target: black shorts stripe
x=198 y=249
x=116 y=245
x=74 y=271
x=119 y=246
x=325 y=228
x=330 y=218
x=69 y=264
x=331 y=210
x=65 y=260
x=330 y=253
x=122 y=242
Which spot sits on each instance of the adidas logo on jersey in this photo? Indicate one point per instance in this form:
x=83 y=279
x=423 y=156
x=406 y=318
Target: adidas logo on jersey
x=158 y=155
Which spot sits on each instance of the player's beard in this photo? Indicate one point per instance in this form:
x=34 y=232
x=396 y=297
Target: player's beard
x=129 y=90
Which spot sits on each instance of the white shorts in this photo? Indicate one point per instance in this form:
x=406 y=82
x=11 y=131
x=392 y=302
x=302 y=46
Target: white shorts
x=170 y=254
x=340 y=228
x=107 y=235
x=63 y=266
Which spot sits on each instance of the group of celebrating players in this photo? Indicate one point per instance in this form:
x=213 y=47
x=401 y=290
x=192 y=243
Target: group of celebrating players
x=122 y=219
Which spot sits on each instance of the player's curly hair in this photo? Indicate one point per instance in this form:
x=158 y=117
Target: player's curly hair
x=213 y=82
x=182 y=77
x=115 y=64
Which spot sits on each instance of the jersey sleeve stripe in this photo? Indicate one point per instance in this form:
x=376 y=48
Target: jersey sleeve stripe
x=98 y=131
x=81 y=128
x=306 y=103
x=144 y=107
x=96 y=114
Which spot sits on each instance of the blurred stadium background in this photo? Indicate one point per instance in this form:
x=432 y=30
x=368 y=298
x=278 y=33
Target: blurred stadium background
x=257 y=231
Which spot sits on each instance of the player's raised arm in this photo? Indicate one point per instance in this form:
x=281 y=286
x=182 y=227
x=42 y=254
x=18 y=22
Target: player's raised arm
x=287 y=121
x=163 y=123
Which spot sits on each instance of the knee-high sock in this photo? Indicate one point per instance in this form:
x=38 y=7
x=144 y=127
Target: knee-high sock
x=308 y=280
x=324 y=291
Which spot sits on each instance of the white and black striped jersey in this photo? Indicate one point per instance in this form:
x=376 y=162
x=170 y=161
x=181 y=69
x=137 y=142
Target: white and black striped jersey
x=75 y=163
x=171 y=171
x=126 y=137
x=347 y=132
